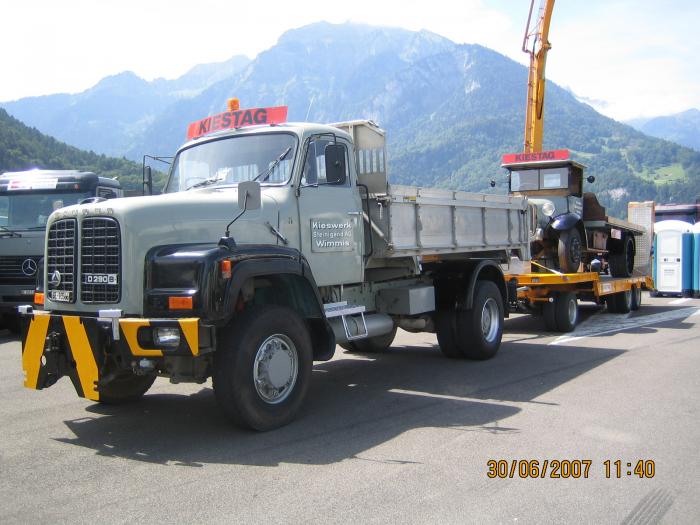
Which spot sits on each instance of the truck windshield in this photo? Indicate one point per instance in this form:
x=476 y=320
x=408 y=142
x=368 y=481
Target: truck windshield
x=30 y=210
x=228 y=161
x=539 y=179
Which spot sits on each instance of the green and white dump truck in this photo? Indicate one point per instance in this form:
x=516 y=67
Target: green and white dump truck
x=272 y=243
x=27 y=198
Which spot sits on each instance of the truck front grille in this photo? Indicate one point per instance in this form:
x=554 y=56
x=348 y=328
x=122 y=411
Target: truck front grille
x=16 y=269
x=100 y=260
x=61 y=260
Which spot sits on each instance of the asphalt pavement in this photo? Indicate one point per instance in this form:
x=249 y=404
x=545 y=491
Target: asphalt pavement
x=401 y=437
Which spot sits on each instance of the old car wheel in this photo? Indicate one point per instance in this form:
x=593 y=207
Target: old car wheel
x=569 y=251
x=621 y=260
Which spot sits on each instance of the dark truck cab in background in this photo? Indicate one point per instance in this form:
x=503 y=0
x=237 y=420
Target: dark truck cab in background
x=27 y=198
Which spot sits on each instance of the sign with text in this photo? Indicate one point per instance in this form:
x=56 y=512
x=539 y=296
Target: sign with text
x=540 y=156
x=237 y=119
x=332 y=236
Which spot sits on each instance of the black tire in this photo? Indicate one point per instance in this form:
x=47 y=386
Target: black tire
x=654 y=293
x=566 y=311
x=371 y=345
x=621 y=260
x=636 y=298
x=445 y=328
x=550 y=318
x=243 y=343
x=569 y=250
x=620 y=302
x=479 y=330
x=125 y=389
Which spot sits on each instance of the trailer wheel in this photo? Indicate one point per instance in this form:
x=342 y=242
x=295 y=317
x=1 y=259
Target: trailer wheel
x=125 y=389
x=371 y=345
x=621 y=261
x=479 y=330
x=569 y=250
x=620 y=302
x=636 y=298
x=445 y=328
x=262 y=367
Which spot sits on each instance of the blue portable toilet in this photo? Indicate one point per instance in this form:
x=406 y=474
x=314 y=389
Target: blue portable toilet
x=696 y=259
x=673 y=257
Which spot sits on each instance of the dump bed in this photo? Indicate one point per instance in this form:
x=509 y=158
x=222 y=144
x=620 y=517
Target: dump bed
x=427 y=221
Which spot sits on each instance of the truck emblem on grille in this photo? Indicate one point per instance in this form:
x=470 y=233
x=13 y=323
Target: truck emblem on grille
x=29 y=267
x=55 y=278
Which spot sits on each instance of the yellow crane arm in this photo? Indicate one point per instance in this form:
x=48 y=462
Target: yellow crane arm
x=536 y=44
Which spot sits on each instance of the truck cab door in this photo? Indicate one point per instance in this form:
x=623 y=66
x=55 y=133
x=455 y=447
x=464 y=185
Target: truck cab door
x=330 y=217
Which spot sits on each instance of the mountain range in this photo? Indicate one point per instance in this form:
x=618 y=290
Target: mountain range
x=450 y=111
x=682 y=128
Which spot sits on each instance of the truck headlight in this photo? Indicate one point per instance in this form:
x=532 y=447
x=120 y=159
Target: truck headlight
x=548 y=208
x=165 y=336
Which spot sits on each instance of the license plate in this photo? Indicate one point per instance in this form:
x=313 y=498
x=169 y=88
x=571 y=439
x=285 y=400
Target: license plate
x=60 y=295
x=100 y=278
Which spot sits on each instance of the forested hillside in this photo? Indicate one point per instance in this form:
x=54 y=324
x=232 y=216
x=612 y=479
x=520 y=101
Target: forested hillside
x=23 y=148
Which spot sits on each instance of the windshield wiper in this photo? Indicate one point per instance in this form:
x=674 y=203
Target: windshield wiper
x=205 y=182
x=265 y=174
x=10 y=233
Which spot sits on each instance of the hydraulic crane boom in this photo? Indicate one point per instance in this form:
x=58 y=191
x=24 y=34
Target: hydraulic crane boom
x=536 y=44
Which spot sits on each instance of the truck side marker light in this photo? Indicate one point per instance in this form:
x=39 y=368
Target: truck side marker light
x=180 y=303
x=38 y=298
x=226 y=269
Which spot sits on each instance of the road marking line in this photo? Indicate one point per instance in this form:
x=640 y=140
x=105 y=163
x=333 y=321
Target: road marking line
x=612 y=323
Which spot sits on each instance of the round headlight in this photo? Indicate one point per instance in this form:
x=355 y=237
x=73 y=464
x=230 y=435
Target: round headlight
x=548 y=208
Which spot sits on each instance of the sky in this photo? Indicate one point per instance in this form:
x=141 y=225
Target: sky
x=628 y=59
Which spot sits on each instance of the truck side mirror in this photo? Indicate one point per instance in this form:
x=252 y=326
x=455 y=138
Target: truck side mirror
x=147 y=180
x=590 y=179
x=249 y=195
x=335 y=164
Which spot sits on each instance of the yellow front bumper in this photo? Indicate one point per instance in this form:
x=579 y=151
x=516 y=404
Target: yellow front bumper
x=86 y=348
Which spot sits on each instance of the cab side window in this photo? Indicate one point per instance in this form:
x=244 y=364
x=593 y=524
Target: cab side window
x=315 y=163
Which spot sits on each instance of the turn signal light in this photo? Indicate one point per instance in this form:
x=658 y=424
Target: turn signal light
x=180 y=303
x=38 y=298
x=226 y=269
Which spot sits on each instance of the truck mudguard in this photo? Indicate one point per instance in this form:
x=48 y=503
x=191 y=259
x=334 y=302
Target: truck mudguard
x=488 y=270
x=195 y=270
x=565 y=221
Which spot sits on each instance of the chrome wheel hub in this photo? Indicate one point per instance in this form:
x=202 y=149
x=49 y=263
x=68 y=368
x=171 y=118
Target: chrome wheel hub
x=490 y=320
x=275 y=368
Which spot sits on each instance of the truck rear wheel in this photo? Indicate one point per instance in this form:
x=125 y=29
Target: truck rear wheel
x=569 y=251
x=479 y=330
x=561 y=314
x=620 y=302
x=371 y=345
x=262 y=367
x=125 y=389
x=621 y=260
x=445 y=328
x=636 y=298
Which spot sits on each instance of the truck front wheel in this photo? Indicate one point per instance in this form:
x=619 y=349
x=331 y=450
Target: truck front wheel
x=262 y=367
x=125 y=389
x=569 y=251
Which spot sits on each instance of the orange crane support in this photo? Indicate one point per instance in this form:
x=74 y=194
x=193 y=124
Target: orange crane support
x=536 y=44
